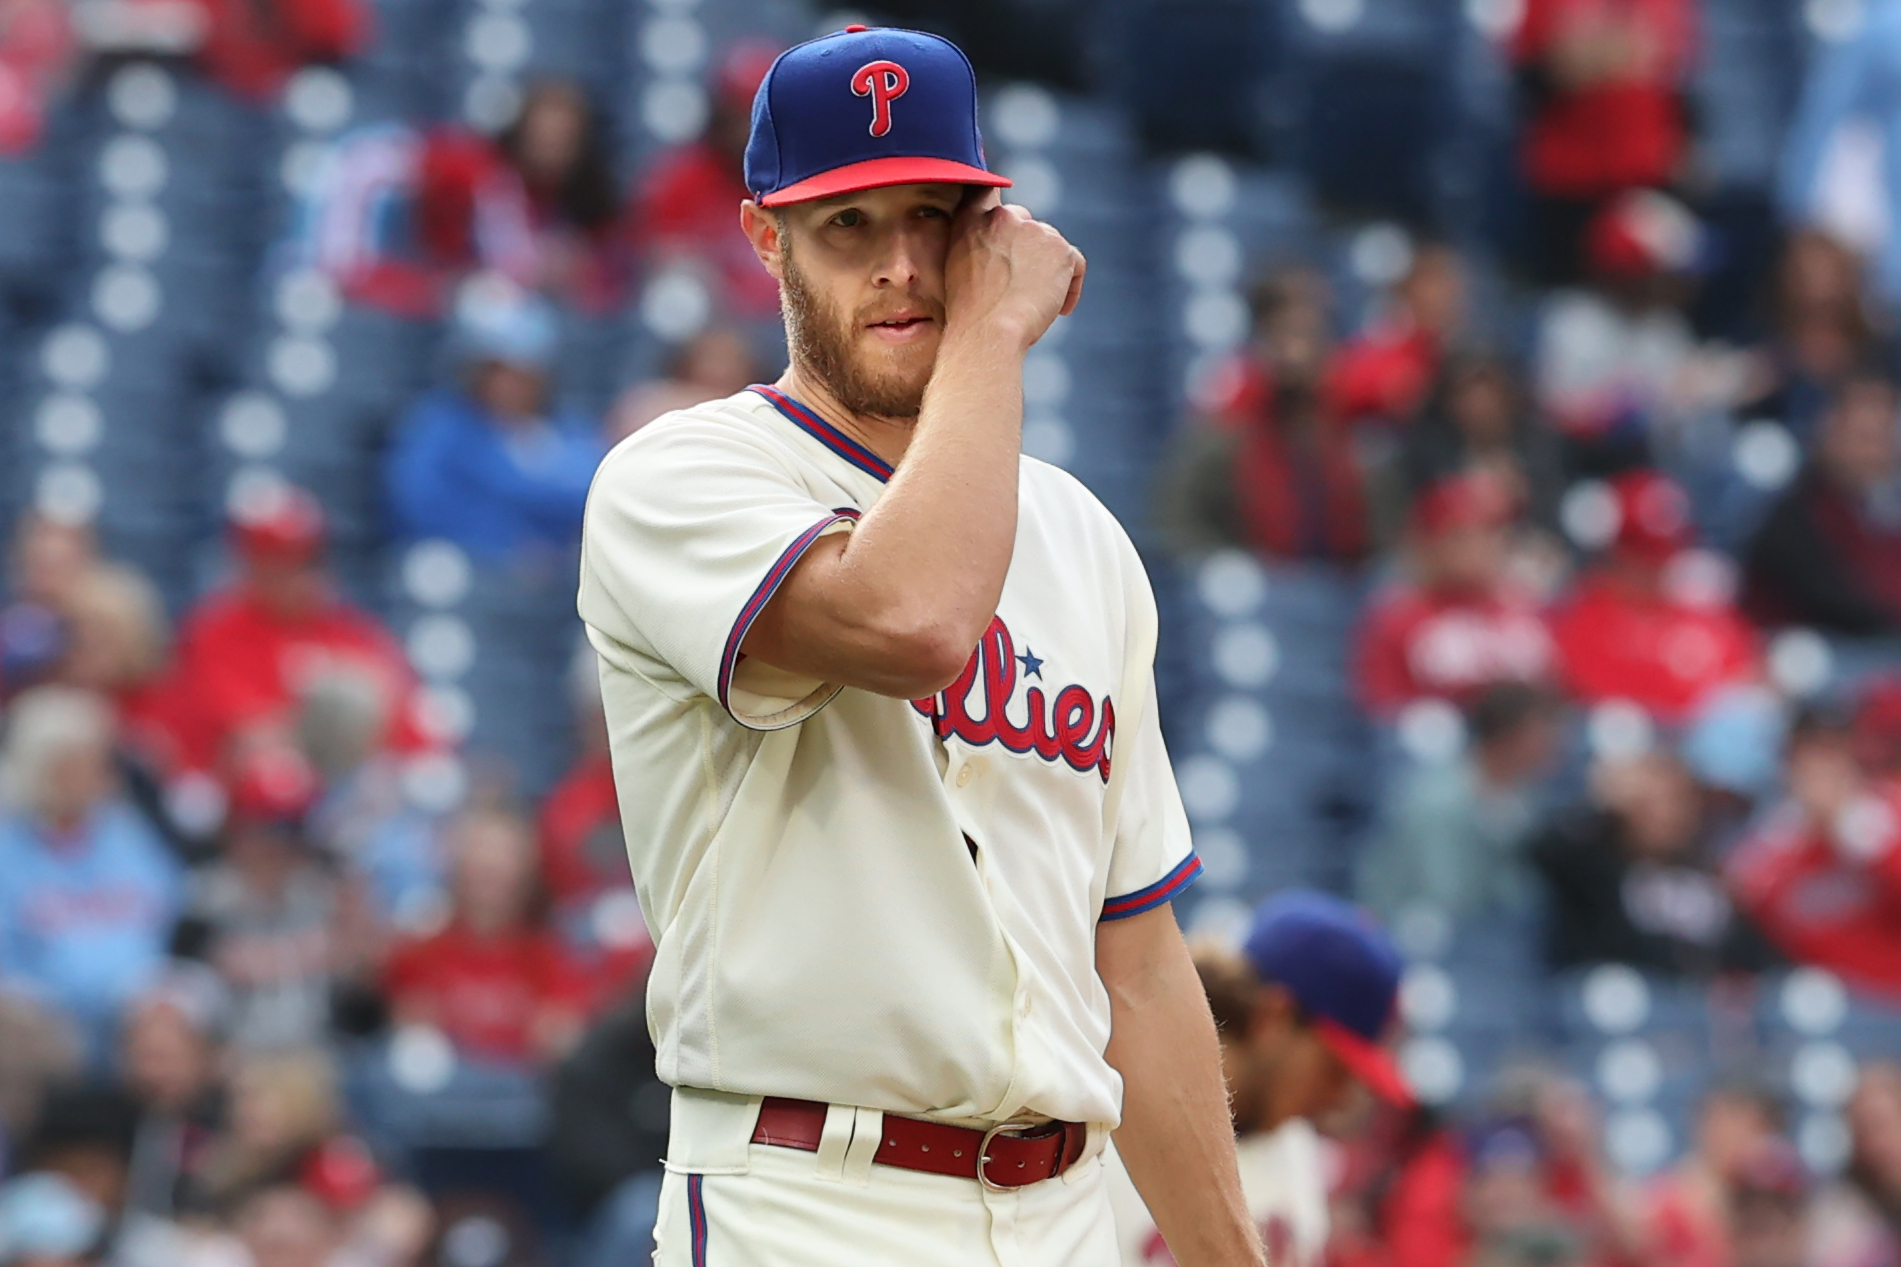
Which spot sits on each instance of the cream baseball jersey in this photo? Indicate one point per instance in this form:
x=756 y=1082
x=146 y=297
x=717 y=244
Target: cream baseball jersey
x=856 y=899
x=1284 y=1179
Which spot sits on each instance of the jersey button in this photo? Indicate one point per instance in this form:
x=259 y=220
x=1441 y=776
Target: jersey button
x=964 y=773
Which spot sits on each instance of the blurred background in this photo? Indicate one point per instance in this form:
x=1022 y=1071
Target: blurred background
x=1502 y=393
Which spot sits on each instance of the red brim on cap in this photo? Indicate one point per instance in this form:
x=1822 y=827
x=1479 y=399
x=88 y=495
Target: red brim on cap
x=1371 y=1063
x=878 y=173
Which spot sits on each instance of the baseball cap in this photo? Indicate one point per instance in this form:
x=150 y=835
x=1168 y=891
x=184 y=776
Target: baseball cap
x=1467 y=500
x=1344 y=972
x=1644 y=233
x=861 y=109
x=1653 y=516
x=284 y=524
x=273 y=787
x=498 y=321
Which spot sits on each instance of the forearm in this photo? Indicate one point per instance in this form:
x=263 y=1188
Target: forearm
x=937 y=544
x=1176 y=1137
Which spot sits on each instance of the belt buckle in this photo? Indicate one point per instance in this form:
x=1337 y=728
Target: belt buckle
x=983 y=1150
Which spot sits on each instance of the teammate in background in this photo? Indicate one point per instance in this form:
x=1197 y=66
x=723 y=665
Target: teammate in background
x=915 y=957
x=1300 y=1011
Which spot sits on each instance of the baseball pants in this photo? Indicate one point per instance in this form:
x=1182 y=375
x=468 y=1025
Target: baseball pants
x=727 y=1202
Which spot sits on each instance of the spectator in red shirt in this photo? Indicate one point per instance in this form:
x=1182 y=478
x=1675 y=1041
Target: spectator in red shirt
x=1644 y=627
x=584 y=856
x=400 y=215
x=1269 y=468
x=684 y=209
x=1458 y=625
x=246 y=651
x=1386 y=371
x=1603 y=89
x=1822 y=873
x=1688 y=1212
x=253 y=46
x=494 y=981
x=1829 y=554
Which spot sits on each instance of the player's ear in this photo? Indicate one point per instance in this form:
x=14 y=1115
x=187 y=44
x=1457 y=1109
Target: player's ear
x=765 y=229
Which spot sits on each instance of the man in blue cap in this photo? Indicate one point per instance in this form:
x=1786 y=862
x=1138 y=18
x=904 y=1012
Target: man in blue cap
x=881 y=702
x=1302 y=1011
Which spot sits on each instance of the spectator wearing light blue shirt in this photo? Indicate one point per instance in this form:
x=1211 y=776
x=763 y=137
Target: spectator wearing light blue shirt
x=88 y=890
x=487 y=464
x=1858 y=78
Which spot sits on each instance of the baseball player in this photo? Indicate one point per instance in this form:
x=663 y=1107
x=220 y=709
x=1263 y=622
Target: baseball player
x=881 y=706
x=1301 y=1012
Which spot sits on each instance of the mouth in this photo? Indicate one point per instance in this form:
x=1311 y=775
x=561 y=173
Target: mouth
x=904 y=327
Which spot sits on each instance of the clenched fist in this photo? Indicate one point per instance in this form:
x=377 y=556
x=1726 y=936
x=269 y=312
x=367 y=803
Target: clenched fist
x=1008 y=271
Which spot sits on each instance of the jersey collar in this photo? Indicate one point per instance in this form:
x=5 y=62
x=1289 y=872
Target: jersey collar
x=804 y=417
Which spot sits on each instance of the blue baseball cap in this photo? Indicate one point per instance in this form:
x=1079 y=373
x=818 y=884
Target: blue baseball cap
x=1344 y=972
x=862 y=109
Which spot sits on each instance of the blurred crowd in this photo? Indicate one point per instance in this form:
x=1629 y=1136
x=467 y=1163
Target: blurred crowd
x=1629 y=640
x=284 y=984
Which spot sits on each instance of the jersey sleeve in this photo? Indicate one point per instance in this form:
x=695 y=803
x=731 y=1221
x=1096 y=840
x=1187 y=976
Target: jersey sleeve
x=1153 y=860
x=688 y=534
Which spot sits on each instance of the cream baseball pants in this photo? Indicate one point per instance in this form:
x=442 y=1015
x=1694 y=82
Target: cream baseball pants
x=727 y=1202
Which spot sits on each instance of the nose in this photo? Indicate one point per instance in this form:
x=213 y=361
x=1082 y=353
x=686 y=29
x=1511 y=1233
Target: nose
x=903 y=262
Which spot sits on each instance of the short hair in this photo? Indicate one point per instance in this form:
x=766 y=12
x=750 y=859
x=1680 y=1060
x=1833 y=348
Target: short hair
x=1820 y=721
x=1505 y=707
x=1865 y=373
x=1286 y=288
x=123 y=597
x=45 y=724
x=82 y=1115
x=343 y=712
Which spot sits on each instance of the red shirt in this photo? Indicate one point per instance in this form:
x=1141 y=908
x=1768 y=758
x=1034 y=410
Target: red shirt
x=1829 y=899
x=1616 y=134
x=581 y=848
x=689 y=208
x=583 y=862
x=253 y=46
x=240 y=666
x=1683 y=1231
x=1384 y=373
x=1418 y=644
x=485 y=994
x=1617 y=643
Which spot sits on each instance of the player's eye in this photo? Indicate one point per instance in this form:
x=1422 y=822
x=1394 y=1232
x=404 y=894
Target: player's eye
x=849 y=218
x=934 y=213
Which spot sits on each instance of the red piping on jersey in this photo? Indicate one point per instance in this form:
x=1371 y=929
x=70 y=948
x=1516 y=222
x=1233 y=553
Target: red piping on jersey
x=696 y=1216
x=1166 y=889
x=825 y=433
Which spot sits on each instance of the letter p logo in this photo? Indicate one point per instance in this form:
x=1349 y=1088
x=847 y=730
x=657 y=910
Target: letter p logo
x=884 y=82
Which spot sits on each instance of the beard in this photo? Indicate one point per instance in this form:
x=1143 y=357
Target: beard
x=824 y=344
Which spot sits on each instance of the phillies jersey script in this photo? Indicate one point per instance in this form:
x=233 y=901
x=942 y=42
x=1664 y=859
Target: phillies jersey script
x=855 y=899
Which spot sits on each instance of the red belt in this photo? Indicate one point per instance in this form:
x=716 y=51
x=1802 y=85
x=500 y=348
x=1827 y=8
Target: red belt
x=1007 y=1156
